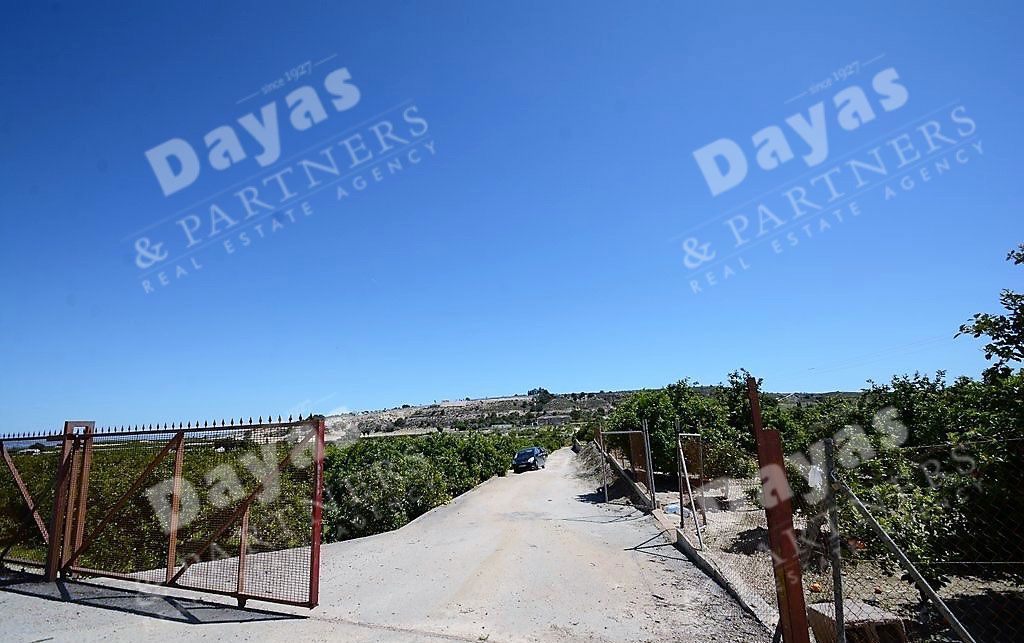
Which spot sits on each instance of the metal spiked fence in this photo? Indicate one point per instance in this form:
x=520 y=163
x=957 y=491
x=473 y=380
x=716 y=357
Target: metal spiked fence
x=229 y=508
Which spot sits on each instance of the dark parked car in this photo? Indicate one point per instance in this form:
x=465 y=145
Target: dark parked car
x=531 y=458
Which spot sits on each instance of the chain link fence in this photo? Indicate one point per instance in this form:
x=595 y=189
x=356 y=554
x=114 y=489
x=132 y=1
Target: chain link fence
x=723 y=521
x=928 y=541
x=929 y=544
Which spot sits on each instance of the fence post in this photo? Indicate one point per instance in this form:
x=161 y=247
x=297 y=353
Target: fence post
x=53 y=554
x=781 y=536
x=649 y=465
x=172 y=524
x=700 y=477
x=679 y=470
x=835 y=555
x=606 y=471
x=599 y=439
x=71 y=502
x=318 y=504
x=85 y=464
x=243 y=547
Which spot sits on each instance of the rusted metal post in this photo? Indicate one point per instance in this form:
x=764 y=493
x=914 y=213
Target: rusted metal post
x=71 y=502
x=84 y=465
x=318 y=503
x=172 y=523
x=781 y=536
x=53 y=554
x=243 y=545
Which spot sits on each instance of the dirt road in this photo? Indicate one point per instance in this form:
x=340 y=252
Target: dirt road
x=530 y=557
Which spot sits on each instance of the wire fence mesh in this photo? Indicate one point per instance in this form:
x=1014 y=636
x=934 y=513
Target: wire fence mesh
x=733 y=528
x=27 y=479
x=956 y=512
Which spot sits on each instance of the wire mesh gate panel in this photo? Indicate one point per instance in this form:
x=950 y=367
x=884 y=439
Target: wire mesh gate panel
x=27 y=479
x=229 y=509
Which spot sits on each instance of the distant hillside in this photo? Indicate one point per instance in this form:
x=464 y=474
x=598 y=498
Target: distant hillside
x=536 y=408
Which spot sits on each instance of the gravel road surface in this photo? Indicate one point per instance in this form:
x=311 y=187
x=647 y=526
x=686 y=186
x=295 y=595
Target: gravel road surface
x=530 y=557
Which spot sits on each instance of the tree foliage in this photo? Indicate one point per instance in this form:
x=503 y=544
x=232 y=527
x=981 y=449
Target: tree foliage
x=1005 y=332
x=724 y=442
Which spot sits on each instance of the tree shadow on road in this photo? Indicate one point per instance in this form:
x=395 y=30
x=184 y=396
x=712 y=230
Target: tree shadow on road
x=619 y=493
x=615 y=497
x=159 y=606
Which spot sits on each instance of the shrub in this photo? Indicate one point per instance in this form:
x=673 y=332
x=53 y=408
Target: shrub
x=372 y=486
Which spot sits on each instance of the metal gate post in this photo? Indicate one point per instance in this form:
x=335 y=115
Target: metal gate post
x=53 y=554
x=318 y=504
x=82 y=503
x=599 y=440
x=172 y=523
x=781 y=536
x=243 y=546
x=649 y=465
x=71 y=502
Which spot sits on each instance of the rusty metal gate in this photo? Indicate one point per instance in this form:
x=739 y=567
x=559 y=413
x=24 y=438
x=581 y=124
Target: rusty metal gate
x=231 y=509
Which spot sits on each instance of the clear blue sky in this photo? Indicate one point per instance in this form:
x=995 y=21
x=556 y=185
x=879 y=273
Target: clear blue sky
x=539 y=246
